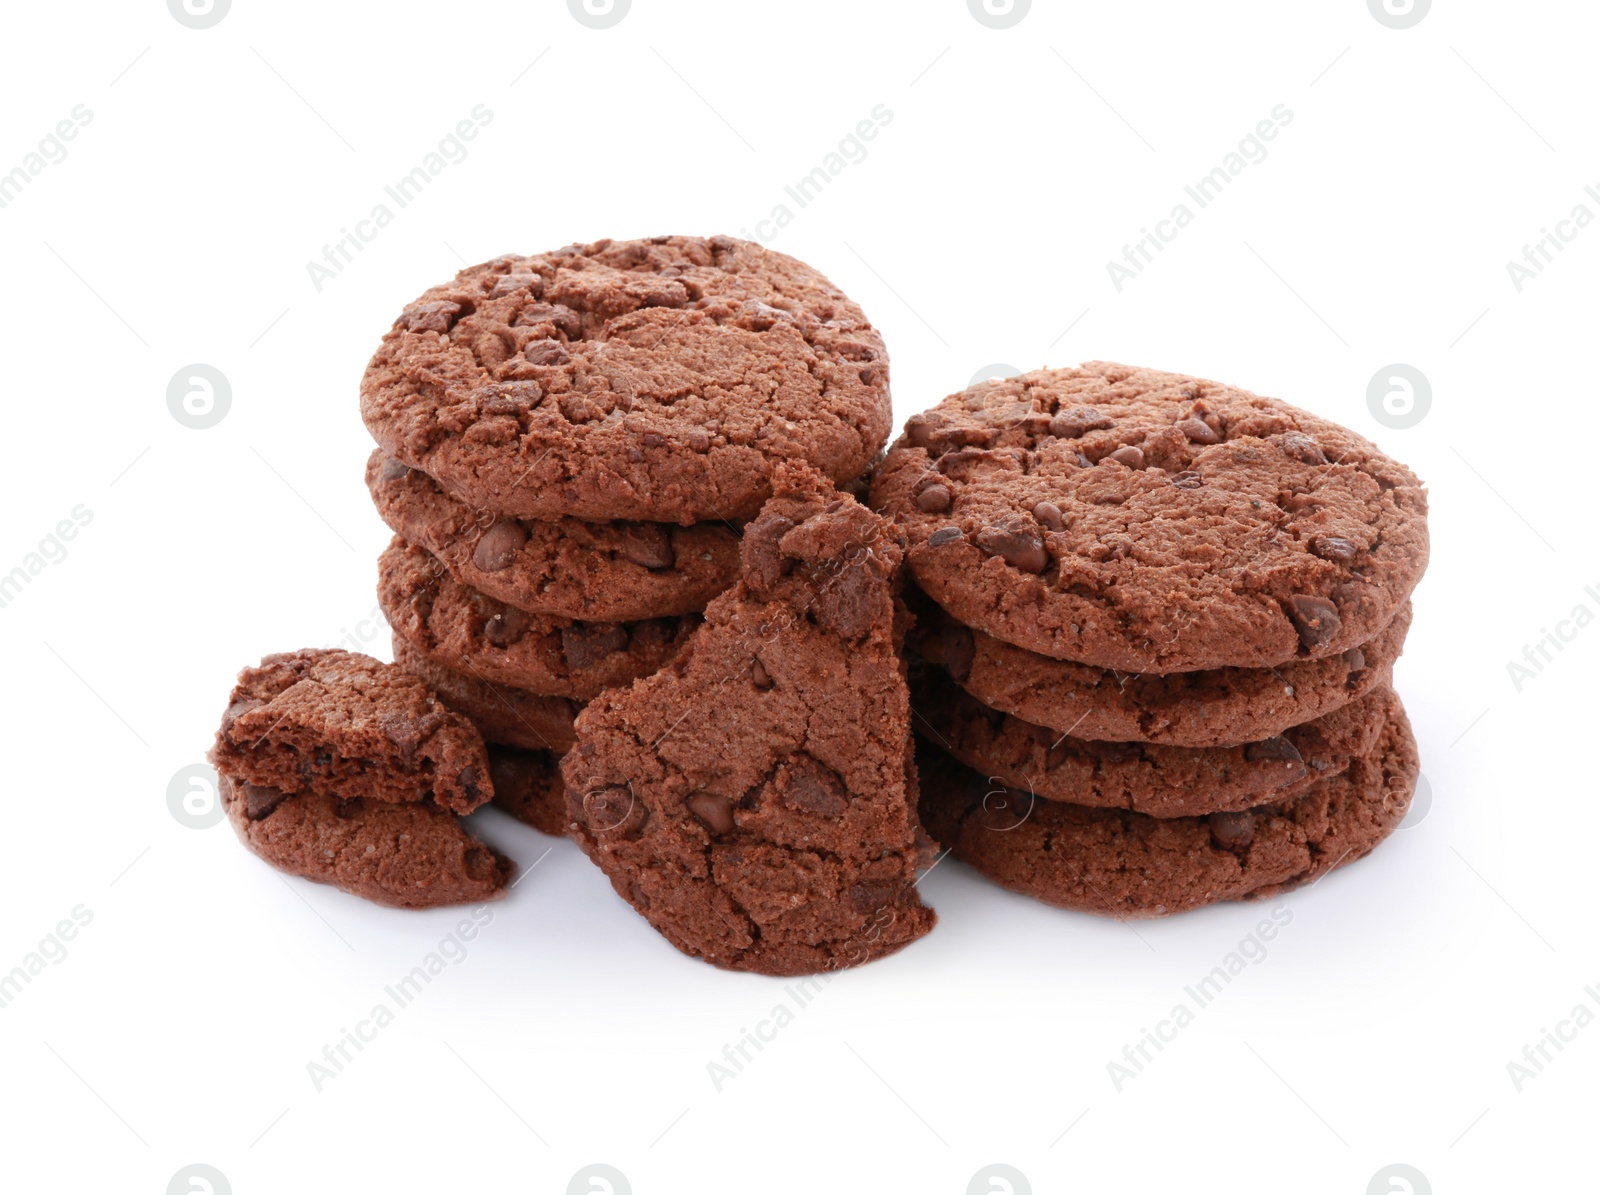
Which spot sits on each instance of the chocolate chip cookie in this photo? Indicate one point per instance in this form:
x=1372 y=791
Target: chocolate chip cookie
x=1211 y=708
x=462 y=629
x=1151 y=522
x=755 y=799
x=411 y=855
x=1146 y=777
x=503 y=714
x=1127 y=864
x=608 y=572
x=658 y=380
x=345 y=725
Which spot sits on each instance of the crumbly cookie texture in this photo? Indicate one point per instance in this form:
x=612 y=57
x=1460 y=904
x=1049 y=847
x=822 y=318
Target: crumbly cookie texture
x=1146 y=777
x=344 y=725
x=503 y=714
x=1216 y=707
x=1126 y=864
x=473 y=633
x=755 y=800
x=1152 y=522
x=606 y=572
x=527 y=785
x=660 y=379
x=412 y=855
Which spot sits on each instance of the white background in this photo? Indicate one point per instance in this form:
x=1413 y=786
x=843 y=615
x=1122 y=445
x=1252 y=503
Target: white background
x=976 y=231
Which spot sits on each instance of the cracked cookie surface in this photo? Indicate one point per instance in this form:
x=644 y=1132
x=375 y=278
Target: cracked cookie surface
x=1152 y=522
x=503 y=714
x=1125 y=864
x=658 y=380
x=755 y=800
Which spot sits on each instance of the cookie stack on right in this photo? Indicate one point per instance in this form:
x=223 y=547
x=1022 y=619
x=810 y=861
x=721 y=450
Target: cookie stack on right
x=1155 y=637
x=569 y=445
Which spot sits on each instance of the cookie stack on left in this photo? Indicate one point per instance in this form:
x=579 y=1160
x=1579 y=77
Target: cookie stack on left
x=569 y=446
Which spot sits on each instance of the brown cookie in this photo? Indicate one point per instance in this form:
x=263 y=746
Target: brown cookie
x=659 y=379
x=345 y=725
x=1152 y=522
x=610 y=572
x=1147 y=777
x=527 y=785
x=1211 y=708
x=412 y=855
x=755 y=799
x=470 y=632
x=1126 y=864
x=503 y=714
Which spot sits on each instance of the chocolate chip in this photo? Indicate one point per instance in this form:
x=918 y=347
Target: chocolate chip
x=437 y=316
x=1049 y=514
x=238 y=709
x=1020 y=549
x=260 y=800
x=498 y=546
x=583 y=645
x=810 y=785
x=714 y=812
x=845 y=602
x=1316 y=618
x=651 y=440
x=469 y=778
x=869 y=898
x=1335 y=548
x=765 y=563
x=759 y=676
x=1128 y=455
x=1075 y=421
x=480 y=862
x=1276 y=748
x=1355 y=659
x=698 y=441
x=649 y=545
x=393 y=470
x=510 y=283
x=1188 y=480
x=1198 y=431
x=934 y=500
x=1303 y=448
x=506 y=626
x=943 y=536
x=920 y=429
x=545 y=352
x=1233 y=829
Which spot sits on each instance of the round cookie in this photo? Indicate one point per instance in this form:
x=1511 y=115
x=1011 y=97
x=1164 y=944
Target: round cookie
x=528 y=786
x=608 y=572
x=1211 y=708
x=1146 y=777
x=1151 y=522
x=466 y=631
x=411 y=855
x=504 y=715
x=1125 y=864
x=658 y=379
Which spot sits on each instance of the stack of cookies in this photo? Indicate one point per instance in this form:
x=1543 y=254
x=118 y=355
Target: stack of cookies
x=570 y=444
x=1157 y=621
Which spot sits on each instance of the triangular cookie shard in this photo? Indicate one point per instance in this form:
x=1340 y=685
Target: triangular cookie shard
x=756 y=798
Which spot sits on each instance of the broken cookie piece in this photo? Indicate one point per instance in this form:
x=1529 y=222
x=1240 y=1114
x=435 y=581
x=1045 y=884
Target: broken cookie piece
x=756 y=799
x=348 y=771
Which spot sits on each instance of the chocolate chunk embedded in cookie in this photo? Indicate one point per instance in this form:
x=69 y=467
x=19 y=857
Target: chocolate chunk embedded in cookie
x=660 y=380
x=1211 y=708
x=345 y=725
x=1147 y=777
x=470 y=632
x=567 y=567
x=1130 y=865
x=1151 y=522
x=411 y=856
x=755 y=799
